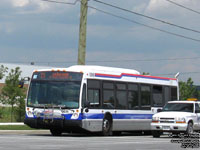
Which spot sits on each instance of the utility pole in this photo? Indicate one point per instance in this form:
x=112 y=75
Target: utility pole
x=82 y=33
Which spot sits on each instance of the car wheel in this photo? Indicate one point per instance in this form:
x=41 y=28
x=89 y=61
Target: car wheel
x=156 y=134
x=190 y=129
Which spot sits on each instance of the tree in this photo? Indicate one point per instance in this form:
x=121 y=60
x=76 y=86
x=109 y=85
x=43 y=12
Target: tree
x=3 y=70
x=145 y=73
x=187 y=89
x=11 y=94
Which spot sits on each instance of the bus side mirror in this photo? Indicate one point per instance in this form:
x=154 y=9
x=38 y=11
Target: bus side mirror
x=21 y=84
x=159 y=110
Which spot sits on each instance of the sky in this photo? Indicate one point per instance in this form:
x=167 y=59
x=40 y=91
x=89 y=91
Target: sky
x=48 y=33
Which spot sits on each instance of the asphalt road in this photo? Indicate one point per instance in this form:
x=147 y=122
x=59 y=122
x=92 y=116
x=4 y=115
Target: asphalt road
x=42 y=140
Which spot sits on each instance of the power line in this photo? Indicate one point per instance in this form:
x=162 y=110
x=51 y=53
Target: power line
x=151 y=27
x=181 y=73
x=111 y=14
x=177 y=4
x=53 y=1
x=141 y=60
x=152 y=18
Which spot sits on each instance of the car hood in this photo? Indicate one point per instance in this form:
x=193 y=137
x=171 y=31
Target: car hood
x=170 y=114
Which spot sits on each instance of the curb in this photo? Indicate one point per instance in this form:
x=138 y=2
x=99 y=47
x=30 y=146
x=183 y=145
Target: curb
x=13 y=123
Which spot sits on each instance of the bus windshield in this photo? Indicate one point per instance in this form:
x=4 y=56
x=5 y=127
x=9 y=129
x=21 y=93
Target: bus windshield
x=182 y=107
x=57 y=91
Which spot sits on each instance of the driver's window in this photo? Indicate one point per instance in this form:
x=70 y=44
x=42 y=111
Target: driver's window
x=197 y=108
x=84 y=95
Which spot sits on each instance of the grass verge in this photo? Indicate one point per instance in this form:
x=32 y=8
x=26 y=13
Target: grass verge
x=15 y=127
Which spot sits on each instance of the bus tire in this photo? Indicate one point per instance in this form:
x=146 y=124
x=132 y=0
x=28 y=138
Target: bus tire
x=156 y=134
x=56 y=132
x=116 y=133
x=107 y=126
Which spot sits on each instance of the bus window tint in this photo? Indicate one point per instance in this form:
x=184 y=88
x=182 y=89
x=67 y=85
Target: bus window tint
x=133 y=98
x=157 y=96
x=121 y=86
x=108 y=85
x=94 y=93
x=145 y=97
x=108 y=95
x=173 y=93
x=84 y=95
x=167 y=94
x=121 y=96
x=93 y=84
x=93 y=97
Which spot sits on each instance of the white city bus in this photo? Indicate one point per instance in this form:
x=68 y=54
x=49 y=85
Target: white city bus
x=96 y=99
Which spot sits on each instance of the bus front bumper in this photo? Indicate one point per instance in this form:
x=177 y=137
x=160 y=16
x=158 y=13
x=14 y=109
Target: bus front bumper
x=40 y=123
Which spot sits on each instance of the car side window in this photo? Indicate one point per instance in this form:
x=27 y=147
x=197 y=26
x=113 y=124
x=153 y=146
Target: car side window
x=197 y=108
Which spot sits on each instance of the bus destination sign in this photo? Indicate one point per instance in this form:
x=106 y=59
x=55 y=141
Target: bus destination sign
x=57 y=76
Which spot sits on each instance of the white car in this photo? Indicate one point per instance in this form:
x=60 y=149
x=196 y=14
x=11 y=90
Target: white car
x=177 y=117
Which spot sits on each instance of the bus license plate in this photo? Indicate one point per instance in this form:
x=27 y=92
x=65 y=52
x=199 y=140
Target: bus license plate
x=166 y=127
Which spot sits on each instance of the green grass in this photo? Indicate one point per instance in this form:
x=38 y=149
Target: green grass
x=5 y=115
x=15 y=127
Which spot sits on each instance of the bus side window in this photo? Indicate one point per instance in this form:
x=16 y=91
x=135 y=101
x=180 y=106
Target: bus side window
x=108 y=95
x=167 y=95
x=173 y=93
x=121 y=96
x=93 y=97
x=145 y=97
x=133 y=96
x=94 y=93
x=157 y=95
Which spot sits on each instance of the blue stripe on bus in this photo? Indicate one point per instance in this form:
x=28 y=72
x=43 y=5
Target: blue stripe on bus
x=101 y=116
x=119 y=116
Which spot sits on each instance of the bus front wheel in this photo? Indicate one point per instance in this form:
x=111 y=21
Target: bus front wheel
x=56 y=132
x=107 y=127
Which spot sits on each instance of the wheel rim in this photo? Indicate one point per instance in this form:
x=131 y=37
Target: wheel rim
x=190 y=129
x=106 y=126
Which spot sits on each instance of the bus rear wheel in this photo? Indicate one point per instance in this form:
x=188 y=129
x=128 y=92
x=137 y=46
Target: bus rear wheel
x=56 y=132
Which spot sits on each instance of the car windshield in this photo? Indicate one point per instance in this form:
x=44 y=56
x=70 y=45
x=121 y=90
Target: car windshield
x=182 y=107
x=55 y=93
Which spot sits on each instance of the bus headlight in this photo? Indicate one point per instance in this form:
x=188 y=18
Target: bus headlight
x=75 y=116
x=155 y=119
x=180 y=120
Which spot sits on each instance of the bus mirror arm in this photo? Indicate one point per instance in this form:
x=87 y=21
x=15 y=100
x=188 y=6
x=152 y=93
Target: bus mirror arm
x=21 y=82
x=87 y=105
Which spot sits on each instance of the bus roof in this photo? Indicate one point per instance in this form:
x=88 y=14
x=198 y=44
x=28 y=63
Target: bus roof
x=114 y=73
x=91 y=68
x=102 y=69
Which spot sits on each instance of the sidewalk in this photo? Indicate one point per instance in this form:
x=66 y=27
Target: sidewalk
x=28 y=132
